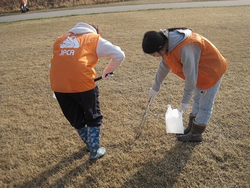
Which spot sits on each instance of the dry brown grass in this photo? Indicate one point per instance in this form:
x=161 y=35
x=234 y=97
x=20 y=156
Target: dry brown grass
x=40 y=149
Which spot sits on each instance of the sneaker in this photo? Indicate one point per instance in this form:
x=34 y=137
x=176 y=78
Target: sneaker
x=99 y=154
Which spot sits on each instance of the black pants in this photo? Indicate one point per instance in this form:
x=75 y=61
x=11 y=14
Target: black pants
x=23 y=8
x=81 y=109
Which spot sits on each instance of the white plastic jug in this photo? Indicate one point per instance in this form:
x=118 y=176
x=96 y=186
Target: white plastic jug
x=174 y=123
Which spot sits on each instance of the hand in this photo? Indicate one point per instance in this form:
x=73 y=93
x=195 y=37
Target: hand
x=107 y=75
x=183 y=107
x=152 y=93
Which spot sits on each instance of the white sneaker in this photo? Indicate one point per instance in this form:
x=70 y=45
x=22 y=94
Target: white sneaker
x=100 y=153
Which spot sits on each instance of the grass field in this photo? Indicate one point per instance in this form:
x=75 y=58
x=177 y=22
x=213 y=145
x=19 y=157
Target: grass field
x=40 y=149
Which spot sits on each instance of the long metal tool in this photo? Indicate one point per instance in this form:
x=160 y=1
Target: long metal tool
x=143 y=118
x=100 y=77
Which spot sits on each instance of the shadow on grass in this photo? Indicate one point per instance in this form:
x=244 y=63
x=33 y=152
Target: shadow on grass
x=42 y=179
x=163 y=173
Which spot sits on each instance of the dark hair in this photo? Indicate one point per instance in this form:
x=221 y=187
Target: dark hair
x=153 y=41
x=97 y=28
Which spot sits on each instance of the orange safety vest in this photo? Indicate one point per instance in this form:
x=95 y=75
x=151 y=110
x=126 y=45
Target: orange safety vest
x=212 y=64
x=72 y=66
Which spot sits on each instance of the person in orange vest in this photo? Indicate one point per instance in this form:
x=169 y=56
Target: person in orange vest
x=23 y=6
x=195 y=59
x=72 y=74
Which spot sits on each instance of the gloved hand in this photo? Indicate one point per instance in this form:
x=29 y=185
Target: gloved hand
x=183 y=107
x=107 y=75
x=152 y=93
x=108 y=71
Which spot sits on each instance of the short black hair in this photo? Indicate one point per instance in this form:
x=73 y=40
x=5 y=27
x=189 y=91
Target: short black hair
x=153 y=41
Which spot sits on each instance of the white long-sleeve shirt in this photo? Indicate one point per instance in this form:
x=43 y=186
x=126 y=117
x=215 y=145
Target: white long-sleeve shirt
x=107 y=49
x=104 y=47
